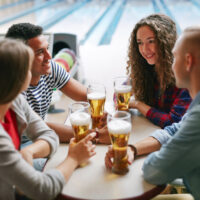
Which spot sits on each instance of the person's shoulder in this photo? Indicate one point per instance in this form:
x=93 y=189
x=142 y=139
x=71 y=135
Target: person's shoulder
x=195 y=110
x=20 y=99
x=193 y=117
x=58 y=70
x=19 y=103
x=54 y=65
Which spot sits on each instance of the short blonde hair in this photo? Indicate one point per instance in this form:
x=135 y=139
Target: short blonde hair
x=15 y=60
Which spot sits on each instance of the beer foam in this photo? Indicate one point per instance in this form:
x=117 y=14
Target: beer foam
x=80 y=118
x=96 y=95
x=119 y=126
x=123 y=88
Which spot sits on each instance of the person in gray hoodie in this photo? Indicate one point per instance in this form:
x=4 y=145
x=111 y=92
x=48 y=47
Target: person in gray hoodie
x=16 y=117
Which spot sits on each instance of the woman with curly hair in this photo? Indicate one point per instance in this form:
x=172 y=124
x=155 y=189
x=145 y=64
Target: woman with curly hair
x=149 y=65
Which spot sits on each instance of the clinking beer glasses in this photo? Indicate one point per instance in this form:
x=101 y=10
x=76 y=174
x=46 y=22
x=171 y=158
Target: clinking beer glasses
x=119 y=128
x=96 y=95
x=122 y=87
x=80 y=119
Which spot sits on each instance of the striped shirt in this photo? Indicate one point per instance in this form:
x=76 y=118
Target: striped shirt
x=39 y=97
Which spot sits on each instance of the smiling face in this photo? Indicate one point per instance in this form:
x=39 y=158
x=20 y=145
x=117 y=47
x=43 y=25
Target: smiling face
x=147 y=44
x=41 y=62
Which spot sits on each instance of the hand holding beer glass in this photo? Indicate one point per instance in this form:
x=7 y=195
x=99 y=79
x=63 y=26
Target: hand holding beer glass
x=119 y=128
x=123 y=87
x=80 y=119
x=96 y=95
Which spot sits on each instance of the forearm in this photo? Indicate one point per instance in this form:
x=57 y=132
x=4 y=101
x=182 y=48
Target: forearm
x=64 y=132
x=39 y=149
x=75 y=90
x=67 y=167
x=147 y=146
x=142 y=107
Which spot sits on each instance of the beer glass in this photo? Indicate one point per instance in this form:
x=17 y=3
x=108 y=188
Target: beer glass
x=123 y=87
x=96 y=95
x=119 y=128
x=80 y=118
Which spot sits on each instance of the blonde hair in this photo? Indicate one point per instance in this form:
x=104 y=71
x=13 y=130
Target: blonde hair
x=192 y=38
x=15 y=59
x=144 y=75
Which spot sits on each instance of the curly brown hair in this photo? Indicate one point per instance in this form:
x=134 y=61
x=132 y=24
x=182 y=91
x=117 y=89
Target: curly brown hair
x=144 y=76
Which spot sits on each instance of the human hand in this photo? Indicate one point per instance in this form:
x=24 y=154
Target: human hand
x=27 y=155
x=133 y=104
x=110 y=155
x=83 y=150
x=130 y=155
x=103 y=136
x=109 y=158
x=103 y=120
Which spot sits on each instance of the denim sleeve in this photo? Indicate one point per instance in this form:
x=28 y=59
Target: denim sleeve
x=173 y=128
x=164 y=135
x=161 y=135
x=175 y=157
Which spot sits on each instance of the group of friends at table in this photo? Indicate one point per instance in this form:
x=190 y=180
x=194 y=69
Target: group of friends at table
x=164 y=70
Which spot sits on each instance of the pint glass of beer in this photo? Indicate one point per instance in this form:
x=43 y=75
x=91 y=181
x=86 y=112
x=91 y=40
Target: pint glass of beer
x=123 y=87
x=96 y=95
x=119 y=128
x=80 y=119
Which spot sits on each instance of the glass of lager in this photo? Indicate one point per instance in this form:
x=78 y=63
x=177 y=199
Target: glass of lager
x=123 y=87
x=119 y=128
x=80 y=118
x=96 y=95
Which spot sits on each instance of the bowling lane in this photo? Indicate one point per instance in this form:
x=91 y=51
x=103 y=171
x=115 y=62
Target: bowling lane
x=9 y=11
x=133 y=12
x=185 y=12
x=39 y=16
x=85 y=17
x=80 y=22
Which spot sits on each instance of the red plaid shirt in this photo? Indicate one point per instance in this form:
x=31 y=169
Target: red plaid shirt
x=174 y=104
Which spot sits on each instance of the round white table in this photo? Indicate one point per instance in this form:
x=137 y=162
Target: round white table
x=94 y=181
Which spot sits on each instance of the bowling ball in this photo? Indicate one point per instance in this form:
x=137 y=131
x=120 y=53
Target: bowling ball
x=62 y=62
x=68 y=55
x=69 y=51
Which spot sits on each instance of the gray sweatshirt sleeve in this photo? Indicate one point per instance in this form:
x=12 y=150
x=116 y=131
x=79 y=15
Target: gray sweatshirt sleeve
x=35 y=127
x=15 y=171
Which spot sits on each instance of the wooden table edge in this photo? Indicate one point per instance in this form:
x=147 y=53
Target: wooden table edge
x=146 y=196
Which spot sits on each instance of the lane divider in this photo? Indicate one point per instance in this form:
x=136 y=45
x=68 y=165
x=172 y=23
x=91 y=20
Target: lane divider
x=9 y=5
x=107 y=37
x=155 y=6
x=58 y=16
x=196 y=3
x=96 y=23
x=28 y=11
x=168 y=12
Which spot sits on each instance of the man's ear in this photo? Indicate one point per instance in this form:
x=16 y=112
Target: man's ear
x=189 y=61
